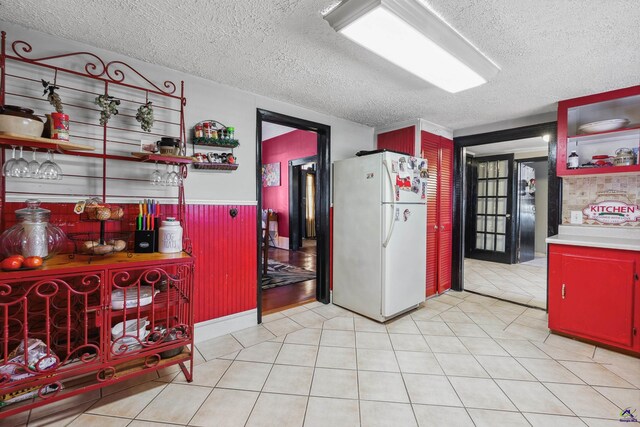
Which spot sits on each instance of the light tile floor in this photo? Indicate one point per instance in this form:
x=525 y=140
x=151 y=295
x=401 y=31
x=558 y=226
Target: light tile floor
x=524 y=283
x=461 y=360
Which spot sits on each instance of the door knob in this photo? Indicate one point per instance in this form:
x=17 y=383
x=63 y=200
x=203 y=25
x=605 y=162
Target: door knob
x=508 y=216
x=435 y=227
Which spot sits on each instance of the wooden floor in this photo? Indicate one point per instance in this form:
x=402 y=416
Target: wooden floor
x=283 y=297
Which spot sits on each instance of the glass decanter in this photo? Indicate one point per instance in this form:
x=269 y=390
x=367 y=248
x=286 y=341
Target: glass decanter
x=32 y=235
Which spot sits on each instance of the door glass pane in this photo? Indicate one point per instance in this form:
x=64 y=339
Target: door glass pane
x=499 y=243
x=502 y=207
x=503 y=168
x=489 y=242
x=481 y=206
x=491 y=170
x=501 y=224
x=491 y=187
x=491 y=206
x=502 y=187
x=482 y=169
x=480 y=223
x=491 y=223
x=482 y=188
x=480 y=241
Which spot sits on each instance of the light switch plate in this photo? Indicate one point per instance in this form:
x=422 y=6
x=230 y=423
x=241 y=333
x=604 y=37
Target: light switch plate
x=576 y=217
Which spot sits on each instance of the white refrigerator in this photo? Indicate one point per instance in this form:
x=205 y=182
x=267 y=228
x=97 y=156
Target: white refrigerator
x=379 y=233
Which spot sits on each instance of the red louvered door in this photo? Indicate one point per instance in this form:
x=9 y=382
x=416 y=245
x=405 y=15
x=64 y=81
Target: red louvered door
x=445 y=222
x=439 y=153
x=430 y=146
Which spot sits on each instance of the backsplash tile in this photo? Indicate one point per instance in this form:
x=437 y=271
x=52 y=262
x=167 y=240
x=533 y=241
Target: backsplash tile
x=578 y=192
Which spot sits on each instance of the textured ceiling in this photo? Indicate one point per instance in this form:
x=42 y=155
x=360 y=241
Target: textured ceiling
x=547 y=49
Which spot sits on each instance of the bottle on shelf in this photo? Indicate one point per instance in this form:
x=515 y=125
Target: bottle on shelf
x=573 y=160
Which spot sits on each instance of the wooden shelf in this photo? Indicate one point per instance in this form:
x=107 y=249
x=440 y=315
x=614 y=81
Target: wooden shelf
x=616 y=132
x=41 y=143
x=164 y=158
x=602 y=170
x=216 y=143
x=215 y=166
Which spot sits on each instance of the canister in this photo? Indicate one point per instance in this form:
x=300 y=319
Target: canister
x=170 y=236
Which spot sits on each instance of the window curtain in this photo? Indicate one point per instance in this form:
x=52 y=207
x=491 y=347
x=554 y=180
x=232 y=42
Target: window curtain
x=311 y=205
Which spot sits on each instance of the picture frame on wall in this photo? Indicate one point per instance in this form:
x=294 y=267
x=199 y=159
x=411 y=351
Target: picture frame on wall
x=271 y=174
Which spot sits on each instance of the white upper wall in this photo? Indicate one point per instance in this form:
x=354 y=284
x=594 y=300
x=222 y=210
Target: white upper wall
x=205 y=100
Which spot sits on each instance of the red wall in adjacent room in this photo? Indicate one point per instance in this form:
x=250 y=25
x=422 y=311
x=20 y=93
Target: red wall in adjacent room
x=290 y=146
x=224 y=247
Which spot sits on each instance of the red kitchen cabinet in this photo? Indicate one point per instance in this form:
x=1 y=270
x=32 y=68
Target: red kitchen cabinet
x=592 y=294
x=438 y=151
x=587 y=126
x=402 y=140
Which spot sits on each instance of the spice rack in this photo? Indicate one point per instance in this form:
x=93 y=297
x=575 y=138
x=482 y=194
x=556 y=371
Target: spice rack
x=207 y=134
x=66 y=304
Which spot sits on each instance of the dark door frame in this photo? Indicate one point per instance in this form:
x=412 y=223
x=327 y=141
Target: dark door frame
x=459 y=186
x=294 y=230
x=323 y=189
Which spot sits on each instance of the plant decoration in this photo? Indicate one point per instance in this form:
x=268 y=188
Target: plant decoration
x=107 y=106
x=145 y=116
x=52 y=97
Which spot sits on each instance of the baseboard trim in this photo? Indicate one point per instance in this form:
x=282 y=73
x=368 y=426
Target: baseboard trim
x=224 y=325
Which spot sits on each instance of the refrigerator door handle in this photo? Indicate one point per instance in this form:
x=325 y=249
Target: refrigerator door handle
x=393 y=205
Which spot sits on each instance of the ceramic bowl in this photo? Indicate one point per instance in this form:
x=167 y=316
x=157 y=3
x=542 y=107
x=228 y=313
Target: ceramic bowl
x=20 y=121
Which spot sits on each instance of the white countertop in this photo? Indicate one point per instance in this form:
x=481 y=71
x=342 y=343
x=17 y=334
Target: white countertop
x=625 y=238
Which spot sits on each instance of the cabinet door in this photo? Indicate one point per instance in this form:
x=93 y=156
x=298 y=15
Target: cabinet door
x=592 y=296
x=430 y=145
x=402 y=140
x=445 y=218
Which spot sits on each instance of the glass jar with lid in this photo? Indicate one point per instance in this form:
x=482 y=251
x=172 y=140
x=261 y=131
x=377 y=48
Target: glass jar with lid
x=33 y=235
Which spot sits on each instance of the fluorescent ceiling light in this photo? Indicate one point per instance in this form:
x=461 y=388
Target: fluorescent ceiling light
x=409 y=35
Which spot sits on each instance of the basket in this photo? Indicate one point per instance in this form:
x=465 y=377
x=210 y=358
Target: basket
x=92 y=244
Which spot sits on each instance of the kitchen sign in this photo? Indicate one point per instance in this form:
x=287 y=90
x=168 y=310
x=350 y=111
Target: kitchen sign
x=612 y=212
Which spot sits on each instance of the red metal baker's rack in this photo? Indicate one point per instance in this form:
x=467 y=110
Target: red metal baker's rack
x=67 y=304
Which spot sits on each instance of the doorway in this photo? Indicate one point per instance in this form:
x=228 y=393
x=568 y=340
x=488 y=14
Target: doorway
x=510 y=203
x=302 y=206
x=293 y=210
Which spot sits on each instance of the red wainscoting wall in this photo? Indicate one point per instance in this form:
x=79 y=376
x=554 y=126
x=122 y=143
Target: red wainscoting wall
x=224 y=247
x=281 y=149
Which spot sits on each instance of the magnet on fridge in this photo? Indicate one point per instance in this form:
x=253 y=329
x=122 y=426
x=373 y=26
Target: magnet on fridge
x=394 y=166
x=413 y=163
x=402 y=164
x=397 y=214
x=424 y=171
x=415 y=185
x=397 y=193
x=424 y=190
x=406 y=214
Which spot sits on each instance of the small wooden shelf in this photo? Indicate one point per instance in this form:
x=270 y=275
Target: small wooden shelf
x=164 y=158
x=220 y=143
x=215 y=166
x=41 y=143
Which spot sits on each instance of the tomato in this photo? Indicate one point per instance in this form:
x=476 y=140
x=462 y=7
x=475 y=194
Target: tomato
x=20 y=257
x=33 y=262
x=11 y=264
